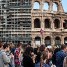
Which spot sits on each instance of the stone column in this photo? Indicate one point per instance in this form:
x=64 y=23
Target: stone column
x=52 y=41
x=62 y=39
x=42 y=18
x=41 y=5
x=60 y=7
x=42 y=39
x=61 y=24
x=33 y=42
x=62 y=36
x=50 y=7
x=52 y=24
x=32 y=23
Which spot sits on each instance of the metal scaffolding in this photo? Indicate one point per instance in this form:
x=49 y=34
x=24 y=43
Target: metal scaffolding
x=15 y=21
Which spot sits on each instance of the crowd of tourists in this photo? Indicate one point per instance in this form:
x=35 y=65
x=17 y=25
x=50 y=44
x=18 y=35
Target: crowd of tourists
x=41 y=56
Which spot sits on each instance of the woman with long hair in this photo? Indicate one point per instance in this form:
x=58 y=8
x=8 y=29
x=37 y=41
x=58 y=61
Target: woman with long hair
x=65 y=62
x=28 y=57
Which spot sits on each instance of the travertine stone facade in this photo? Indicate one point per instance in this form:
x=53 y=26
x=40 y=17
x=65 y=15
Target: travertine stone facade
x=33 y=21
x=54 y=32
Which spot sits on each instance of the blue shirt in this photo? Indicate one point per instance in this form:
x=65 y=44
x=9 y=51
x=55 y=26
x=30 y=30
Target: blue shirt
x=60 y=55
x=44 y=65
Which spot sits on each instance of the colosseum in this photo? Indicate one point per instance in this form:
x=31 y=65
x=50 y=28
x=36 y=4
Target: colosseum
x=33 y=21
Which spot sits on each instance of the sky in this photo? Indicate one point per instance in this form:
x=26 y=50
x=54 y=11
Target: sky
x=64 y=3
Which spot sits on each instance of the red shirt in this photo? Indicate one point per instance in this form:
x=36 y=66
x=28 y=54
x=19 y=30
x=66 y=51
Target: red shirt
x=16 y=56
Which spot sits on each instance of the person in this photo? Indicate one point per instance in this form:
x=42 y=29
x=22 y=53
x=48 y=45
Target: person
x=17 y=55
x=28 y=57
x=49 y=60
x=65 y=62
x=38 y=59
x=4 y=58
x=42 y=48
x=43 y=59
x=54 y=55
x=46 y=59
x=12 y=49
x=60 y=55
x=1 y=45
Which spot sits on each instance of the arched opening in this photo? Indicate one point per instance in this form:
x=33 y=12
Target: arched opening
x=57 y=41
x=46 y=6
x=65 y=24
x=65 y=40
x=36 y=5
x=47 y=23
x=47 y=41
x=55 y=6
x=37 y=23
x=56 y=23
x=37 y=41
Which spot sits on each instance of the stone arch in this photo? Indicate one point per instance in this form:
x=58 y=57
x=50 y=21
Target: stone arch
x=65 y=24
x=65 y=40
x=36 y=3
x=57 y=23
x=57 y=41
x=47 y=40
x=46 y=6
x=55 y=6
x=37 y=23
x=37 y=40
x=47 y=23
